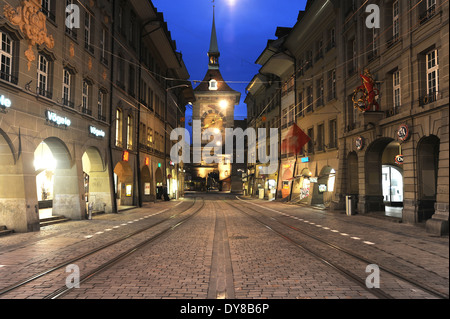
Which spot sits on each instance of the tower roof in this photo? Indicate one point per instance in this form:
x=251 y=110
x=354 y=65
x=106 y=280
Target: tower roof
x=214 y=47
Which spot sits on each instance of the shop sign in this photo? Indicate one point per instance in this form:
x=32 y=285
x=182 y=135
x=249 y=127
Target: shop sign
x=147 y=161
x=305 y=160
x=56 y=119
x=147 y=189
x=126 y=156
x=399 y=159
x=128 y=190
x=4 y=102
x=287 y=166
x=96 y=132
x=313 y=179
x=403 y=133
x=359 y=143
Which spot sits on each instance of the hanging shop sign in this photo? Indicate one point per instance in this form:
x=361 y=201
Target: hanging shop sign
x=4 y=102
x=56 y=119
x=360 y=143
x=403 y=133
x=399 y=159
x=96 y=132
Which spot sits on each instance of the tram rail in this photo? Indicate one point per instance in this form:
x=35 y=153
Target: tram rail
x=63 y=290
x=355 y=278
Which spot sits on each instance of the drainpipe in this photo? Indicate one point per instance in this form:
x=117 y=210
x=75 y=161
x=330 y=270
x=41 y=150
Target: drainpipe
x=111 y=162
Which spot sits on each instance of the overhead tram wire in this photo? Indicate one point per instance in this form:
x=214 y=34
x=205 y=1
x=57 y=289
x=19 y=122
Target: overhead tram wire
x=239 y=82
x=343 y=64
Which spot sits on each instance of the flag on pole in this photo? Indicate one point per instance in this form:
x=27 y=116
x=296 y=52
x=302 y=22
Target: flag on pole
x=295 y=140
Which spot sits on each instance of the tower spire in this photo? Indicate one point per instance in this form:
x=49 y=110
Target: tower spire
x=214 y=53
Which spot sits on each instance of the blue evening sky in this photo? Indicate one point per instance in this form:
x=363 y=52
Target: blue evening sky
x=243 y=28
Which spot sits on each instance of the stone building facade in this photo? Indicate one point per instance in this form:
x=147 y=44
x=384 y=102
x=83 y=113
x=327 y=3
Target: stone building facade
x=59 y=96
x=393 y=157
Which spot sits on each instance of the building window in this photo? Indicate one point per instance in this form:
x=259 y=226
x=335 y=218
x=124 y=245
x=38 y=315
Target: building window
x=291 y=115
x=100 y=104
x=43 y=77
x=284 y=119
x=432 y=72
x=119 y=120
x=333 y=134
x=331 y=85
x=88 y=33
x=310 y=99
x=352 y=58
x=131 y=81
x=103 y=47
x=47 y=9
x=67 y=89
x=85 y=105
x=320 y=137
x=149 y=137
x=311 y=142
x=72 y=32
x=427 y=10
x=6 y=58
x=213 y=85
x=300 y=104
x=396 y=20
x=121 y=72
x=130 y=132
x=396 y=89
x=120 y=19
x=319 y=92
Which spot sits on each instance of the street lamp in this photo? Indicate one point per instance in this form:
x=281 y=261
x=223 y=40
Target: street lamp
x=223 y=104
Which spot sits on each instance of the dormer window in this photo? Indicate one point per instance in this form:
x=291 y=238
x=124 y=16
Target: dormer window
x=213 y=85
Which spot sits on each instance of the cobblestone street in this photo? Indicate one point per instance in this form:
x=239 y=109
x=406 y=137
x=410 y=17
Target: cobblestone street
x=219 y=246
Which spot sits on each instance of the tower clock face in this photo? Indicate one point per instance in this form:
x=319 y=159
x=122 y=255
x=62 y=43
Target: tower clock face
x=213 y=120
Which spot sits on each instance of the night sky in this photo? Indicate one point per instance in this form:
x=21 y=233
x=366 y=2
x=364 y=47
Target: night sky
x=243 y=28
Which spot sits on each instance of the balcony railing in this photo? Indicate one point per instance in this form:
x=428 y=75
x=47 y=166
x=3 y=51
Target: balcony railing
x=86 y=111
x=392 y=41
x=427 y=14
x=72 y=33
x=68 y=103
x=9 y=78
x=45 y=93
x=427 y=99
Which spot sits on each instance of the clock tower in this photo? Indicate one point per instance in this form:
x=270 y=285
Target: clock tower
x=214 y=108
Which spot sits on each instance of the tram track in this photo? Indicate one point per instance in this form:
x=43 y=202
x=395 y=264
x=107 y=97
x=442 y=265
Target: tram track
x=111 y=261
x=359 y=279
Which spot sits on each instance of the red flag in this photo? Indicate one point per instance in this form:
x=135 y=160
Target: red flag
x=295 y=140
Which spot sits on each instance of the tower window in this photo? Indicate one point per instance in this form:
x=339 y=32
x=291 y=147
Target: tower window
x=213 y=85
